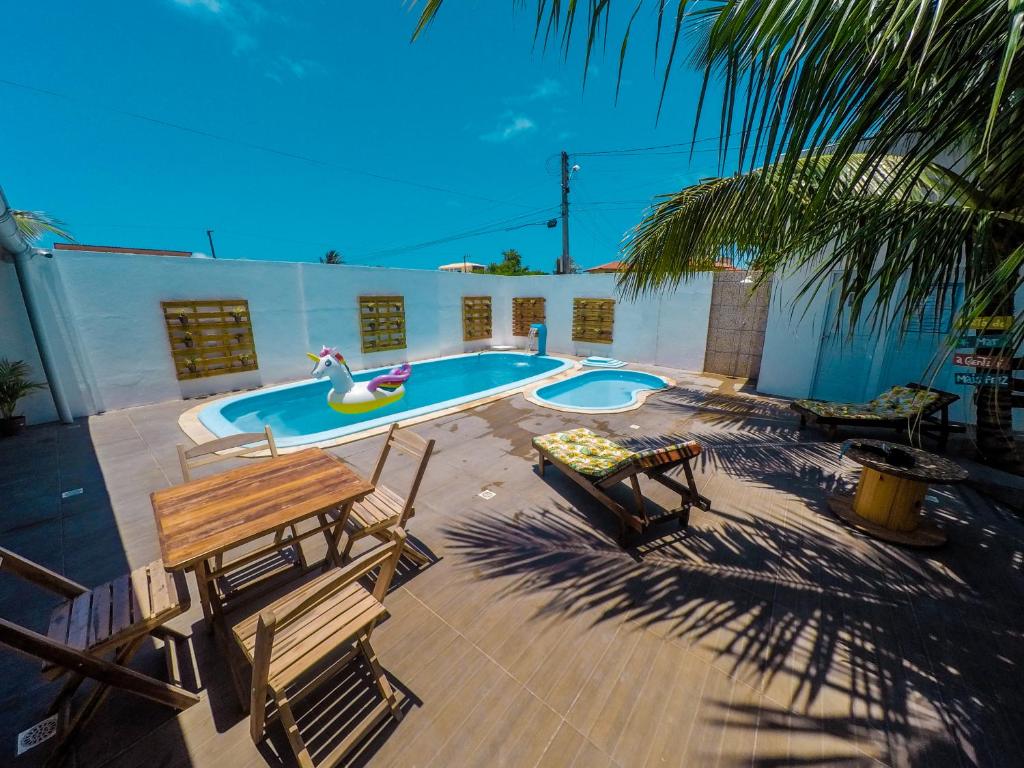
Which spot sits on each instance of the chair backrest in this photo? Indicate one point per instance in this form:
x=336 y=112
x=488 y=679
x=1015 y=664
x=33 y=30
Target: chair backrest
x=384 y=557
x=24 y=568
x=411 y=445
x=220 y=450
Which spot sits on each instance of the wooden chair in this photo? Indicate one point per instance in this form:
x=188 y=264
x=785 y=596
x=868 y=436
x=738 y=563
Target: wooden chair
x=115 y=617
x=204 y=454
x=597 y=464
x=384 y=509
x=320 y=627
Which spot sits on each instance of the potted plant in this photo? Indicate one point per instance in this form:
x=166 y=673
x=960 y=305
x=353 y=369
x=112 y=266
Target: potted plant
x=244 y=358
x=187 y=338
x=183 y=317
x=238 y=313
x=14 y=385
x=192 y=363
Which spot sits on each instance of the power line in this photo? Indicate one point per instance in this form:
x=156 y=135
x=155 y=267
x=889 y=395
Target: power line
x=634 y=150
x=253 y=145
x=498 y=226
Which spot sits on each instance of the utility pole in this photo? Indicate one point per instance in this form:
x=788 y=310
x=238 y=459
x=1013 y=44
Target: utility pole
x=209 y=236
x=563 y=265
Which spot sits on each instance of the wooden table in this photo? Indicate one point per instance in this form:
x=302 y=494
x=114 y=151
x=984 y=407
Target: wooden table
x=889 y=497
x=205 y=518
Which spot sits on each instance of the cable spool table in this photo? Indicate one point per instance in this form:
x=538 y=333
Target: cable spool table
x=889 y=496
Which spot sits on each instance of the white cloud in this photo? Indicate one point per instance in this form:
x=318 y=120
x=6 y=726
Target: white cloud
x=545 y=89
x=285 y=66
x=213 y=6
x=515 y=125
x=238 y=17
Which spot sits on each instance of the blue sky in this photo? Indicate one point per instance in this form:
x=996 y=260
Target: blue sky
x=377 y=144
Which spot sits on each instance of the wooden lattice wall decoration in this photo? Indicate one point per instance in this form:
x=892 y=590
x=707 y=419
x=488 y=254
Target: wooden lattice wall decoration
x=476 y=318
x=382 y=323
x=524 y=312
x=210 y=337
x=593 y=320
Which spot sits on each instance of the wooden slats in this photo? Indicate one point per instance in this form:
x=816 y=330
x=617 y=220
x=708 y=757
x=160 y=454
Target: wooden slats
x=141 y=608
x=58 y=630
x=120 y=608
x=382 y=323
x=100 y=615
x=526 y=311
x=122 y=618
x=209 y=337
x=476 y=318
x=211 y=515
x=78 y=623
x=301 y=644
x=593 y=320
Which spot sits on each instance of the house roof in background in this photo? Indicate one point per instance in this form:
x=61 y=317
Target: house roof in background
x=117 y=249
x=611 y=266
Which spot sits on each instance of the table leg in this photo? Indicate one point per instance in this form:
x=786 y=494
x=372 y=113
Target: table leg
x=334 y=534
x=205 y=597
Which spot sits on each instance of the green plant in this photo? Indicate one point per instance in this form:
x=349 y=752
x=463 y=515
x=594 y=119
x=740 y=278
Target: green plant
x=511 y=264
x=238 y=313
x=34 y=224
x=183 y=317
x=14 y=385
x=890 y=127
x=192 y=363
x=187 y=338
x=245 y=358
x=332 y=257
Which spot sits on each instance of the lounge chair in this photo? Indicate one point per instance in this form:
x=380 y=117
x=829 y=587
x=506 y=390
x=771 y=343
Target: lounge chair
x=93 y=633
x=901 y=408
x=597 y=464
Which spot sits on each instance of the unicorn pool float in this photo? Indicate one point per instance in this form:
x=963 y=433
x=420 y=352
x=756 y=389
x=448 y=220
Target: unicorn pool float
x=348 y=396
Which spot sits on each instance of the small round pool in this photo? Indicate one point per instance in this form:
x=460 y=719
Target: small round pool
x=605 y=391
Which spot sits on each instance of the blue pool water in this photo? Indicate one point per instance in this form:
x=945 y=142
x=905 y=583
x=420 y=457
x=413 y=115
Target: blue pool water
x=600 y=390
x=299 y=414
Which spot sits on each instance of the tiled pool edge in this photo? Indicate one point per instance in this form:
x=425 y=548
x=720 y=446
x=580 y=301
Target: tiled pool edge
x=196 y=431
x=530 y=393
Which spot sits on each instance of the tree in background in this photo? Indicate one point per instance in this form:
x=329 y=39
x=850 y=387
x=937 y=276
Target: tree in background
x=511 y=265
x=880 y=144
x=34 y=224
x=332 y=257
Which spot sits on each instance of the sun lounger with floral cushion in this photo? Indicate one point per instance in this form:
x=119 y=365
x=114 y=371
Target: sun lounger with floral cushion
x=597 y=464
x=913 y=406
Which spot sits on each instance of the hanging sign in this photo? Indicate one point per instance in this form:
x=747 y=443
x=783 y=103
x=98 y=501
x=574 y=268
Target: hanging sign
x=978 y=379
x=995 y=323
x=983 y=361
x=984 y=342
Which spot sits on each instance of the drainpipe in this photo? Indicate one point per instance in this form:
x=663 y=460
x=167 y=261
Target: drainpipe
x=12 y=241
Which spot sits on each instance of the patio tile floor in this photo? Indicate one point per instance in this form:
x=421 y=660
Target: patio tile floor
x=768 y=635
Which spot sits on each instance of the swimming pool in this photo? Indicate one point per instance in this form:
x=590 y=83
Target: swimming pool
x=298 y=413
x=601 y=391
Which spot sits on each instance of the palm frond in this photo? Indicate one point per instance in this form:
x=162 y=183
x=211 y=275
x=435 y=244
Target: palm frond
x=926 y=230
x=34 y=224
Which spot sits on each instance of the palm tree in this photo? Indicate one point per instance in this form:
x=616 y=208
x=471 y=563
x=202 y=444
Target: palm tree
x=34 y=224
x=332 y=257
x=880 y=141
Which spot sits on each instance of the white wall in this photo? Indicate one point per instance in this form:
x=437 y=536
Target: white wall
x=110 y=335
x=792 y=339
x=854 y=369
x=16 y=343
